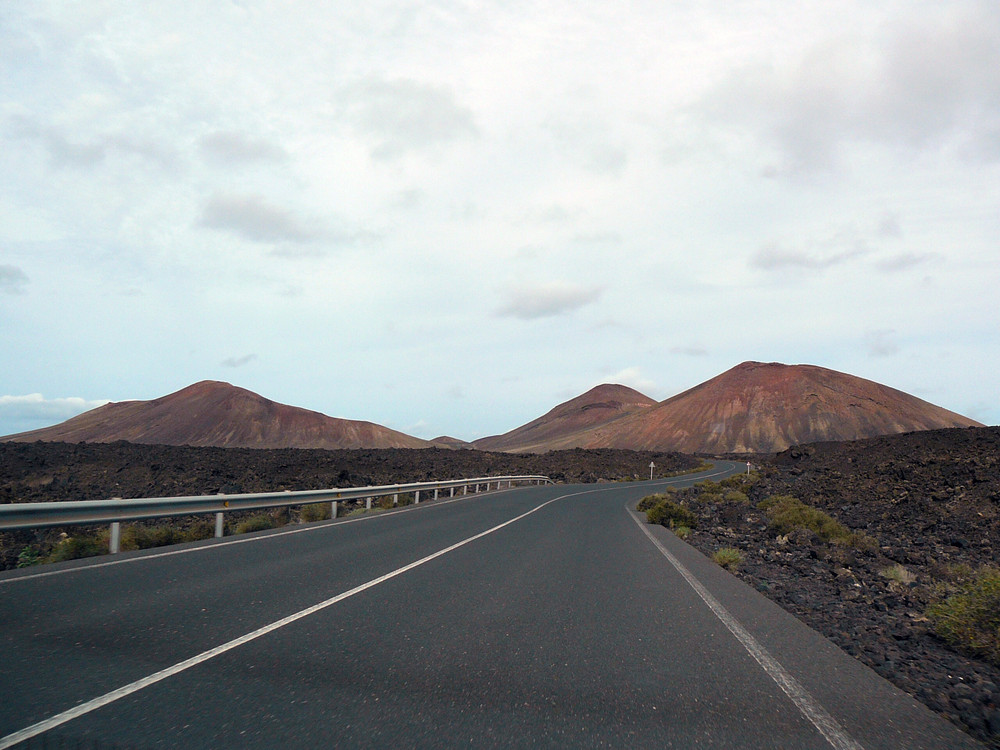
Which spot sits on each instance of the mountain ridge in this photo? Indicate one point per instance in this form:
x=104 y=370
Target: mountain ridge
x=758 y=407
x=215 y=413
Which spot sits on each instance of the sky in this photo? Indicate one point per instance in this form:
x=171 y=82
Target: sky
x=449 y=216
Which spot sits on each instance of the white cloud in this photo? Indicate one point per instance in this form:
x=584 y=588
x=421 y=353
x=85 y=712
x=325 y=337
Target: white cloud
x=773 y=257
x=400 y=115
x=233 y=148
x=689 y=351
x=12 y=279
x=918 y=81
x=904 y=261
x=252 y=218
x=632 y=377
x=23 y=413
x=238 y=361
x=543 y=300
x=881 y=343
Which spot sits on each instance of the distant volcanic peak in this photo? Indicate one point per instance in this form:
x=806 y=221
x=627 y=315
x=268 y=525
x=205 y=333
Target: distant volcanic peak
x=610 y=395
x=598 y=406
x=754 y=407
x=213 y=413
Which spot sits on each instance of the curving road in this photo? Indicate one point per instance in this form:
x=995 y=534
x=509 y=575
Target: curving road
x=536 y=617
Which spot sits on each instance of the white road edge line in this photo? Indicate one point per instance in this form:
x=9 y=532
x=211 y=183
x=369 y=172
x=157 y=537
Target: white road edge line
x=84 y=708
x=818 y=716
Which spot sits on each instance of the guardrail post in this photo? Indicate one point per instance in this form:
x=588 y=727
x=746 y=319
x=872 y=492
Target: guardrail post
x=451 y=491
x=219 y=526
x=435 y=493
x=333 y=509
x=395 y=498
x=416 y=497
x=368 y=503
x=115 y=542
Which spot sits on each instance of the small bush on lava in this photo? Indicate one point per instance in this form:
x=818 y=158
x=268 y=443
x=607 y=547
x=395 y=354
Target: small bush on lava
x=146 y=537
x=75 y=547
x=898 y=573
x=670 y=514
x=728 y=557
x=315 y=512
x=969 y=621
x=683 y=532
x=788 y=513
x=254 y=523
x=651 y=500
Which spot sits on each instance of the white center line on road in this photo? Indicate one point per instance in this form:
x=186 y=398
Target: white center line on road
x=818 y=716
x=215 y=545
x=92 y=705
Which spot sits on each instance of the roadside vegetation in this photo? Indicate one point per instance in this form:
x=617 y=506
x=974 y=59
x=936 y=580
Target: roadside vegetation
x=969 y=619
x=728 y=558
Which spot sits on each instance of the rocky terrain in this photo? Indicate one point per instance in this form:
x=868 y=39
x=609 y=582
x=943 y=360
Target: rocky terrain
x=755 y=407
x=47 y=472
x=559 y=427
x=212 y=413
x=924 y=509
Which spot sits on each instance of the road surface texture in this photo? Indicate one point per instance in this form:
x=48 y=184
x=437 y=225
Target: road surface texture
x=536 y=617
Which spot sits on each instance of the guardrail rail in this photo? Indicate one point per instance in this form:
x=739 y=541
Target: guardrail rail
x=116 y=510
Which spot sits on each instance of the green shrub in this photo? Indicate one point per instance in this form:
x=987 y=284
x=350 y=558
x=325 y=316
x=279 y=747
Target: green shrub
x=27 y=557
x=314 y=512
x=735 y=496
x=787 y=513
x=199 y=530
x=668 y=513
x=683 y=532
x=709 y=497
x=259 y=522
x=728 y=557
x=740 y=481
x=969 y=621
x=75 y=547
x=146 y=537
x=651 y=500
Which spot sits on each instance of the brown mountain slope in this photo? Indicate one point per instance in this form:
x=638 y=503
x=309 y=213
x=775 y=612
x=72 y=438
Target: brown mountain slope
x=558 y=428
x=759 y=408
x=211 y=413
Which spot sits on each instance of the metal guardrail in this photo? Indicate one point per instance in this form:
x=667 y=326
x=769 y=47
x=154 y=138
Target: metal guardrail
x=116 y=510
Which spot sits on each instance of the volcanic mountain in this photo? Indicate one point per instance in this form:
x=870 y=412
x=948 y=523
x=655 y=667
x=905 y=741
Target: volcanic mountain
x=560 y=427
x=760 y=408
x=211 y=413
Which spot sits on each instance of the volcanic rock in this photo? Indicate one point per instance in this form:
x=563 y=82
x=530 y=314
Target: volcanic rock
x=560 y=427
x=756 y=408
x=211 y=413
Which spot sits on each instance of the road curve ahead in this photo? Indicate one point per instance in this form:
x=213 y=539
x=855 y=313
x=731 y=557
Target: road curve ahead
x=535 y=617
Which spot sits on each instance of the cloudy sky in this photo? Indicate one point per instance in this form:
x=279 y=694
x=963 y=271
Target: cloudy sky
x=448 y=216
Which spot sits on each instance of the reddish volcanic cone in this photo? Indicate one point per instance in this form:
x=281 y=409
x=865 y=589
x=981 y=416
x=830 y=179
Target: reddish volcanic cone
x=761 y=408
x=559 y=427
x=211 y=413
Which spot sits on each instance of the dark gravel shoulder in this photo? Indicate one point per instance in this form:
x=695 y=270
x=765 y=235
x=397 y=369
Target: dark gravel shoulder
x=925 y=512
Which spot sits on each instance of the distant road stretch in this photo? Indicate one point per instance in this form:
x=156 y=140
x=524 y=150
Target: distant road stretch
x=535 y=617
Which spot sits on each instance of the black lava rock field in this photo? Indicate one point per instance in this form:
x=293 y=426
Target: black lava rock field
x=923 y=512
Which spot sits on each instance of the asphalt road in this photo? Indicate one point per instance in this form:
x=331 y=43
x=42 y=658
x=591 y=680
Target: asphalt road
x=535 y=617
